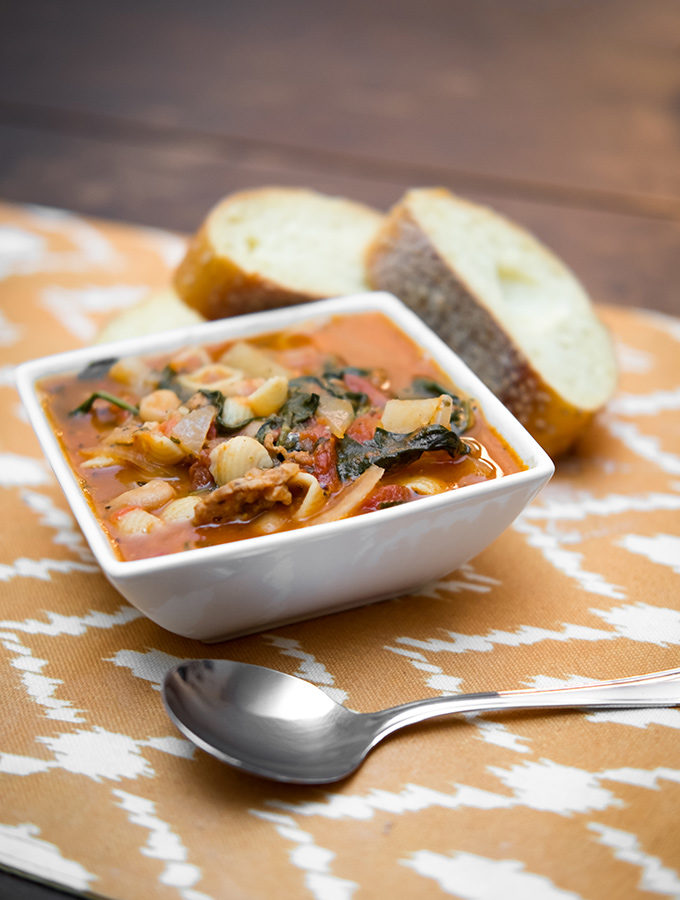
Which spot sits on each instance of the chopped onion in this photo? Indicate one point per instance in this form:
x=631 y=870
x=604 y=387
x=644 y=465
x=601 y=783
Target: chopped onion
x=336 y=412
x=191 y=430
x=351 y=496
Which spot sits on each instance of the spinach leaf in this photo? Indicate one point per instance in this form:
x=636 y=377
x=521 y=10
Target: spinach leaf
x=299 y=407
x=167 y=381
x=217 y=399
x=359 y=400
x=335 y=379
x=97 y=369
x=347 y=370
x=332 y=383
x=305 y=384
x=387 y=449
x=86 y=405
x=427 y=387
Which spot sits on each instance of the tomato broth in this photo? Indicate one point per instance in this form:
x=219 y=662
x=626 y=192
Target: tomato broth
x=231 y=441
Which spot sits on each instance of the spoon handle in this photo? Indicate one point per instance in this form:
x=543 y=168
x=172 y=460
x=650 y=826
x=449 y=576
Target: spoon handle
x=656 y=689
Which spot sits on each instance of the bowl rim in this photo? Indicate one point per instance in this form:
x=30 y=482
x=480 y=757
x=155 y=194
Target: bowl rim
x=539 y=465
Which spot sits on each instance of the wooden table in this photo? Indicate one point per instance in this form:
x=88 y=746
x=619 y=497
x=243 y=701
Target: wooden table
x=561 y=113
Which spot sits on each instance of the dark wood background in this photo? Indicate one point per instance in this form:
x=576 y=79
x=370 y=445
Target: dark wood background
x=564 y=114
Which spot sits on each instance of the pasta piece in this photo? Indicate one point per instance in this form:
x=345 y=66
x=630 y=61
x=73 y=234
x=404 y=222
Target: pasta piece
x=270 y=396
x=135 y=520
x=180 y=510
x=213 y=377
x=252 y=361
x=151 y=495
x=233 y=458
x=158 y=447
x=314 y=497
x=157 y=406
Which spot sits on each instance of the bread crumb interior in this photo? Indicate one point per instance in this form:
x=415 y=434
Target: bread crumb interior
x=537 y=300
x=284 y=237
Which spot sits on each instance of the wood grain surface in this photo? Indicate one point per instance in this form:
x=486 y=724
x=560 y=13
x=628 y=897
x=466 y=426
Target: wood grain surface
x=564 y=114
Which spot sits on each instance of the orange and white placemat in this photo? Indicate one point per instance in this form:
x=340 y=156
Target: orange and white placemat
x=100 y=794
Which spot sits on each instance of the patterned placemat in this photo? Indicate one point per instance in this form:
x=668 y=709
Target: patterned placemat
x=99 y=792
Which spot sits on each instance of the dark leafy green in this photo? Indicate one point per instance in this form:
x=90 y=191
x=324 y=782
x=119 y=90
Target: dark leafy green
x=86 y=405
x=97 y=369
x=217 y=399
x=332 y=383
x=332 y=372
x=300 y=406
x=387 y=449
x=167 y=381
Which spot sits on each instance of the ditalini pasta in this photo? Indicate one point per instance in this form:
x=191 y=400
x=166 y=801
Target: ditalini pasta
x=295 y=428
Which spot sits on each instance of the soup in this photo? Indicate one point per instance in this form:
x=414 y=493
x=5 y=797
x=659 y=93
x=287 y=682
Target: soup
x=218 y=443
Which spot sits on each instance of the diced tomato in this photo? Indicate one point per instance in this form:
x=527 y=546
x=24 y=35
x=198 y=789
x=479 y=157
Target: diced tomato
x=314 y=431
x=167 y=426
x=386 y=495
x=363 y=427
x=200 y=476
x=325 y=465
x=124 y=510
x=106 y=414
x=364 y=386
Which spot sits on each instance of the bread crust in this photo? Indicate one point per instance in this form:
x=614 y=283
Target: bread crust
x=403 y=260
x=216 y=287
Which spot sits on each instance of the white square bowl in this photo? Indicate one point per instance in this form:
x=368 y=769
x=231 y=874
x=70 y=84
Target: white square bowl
x=218 y=592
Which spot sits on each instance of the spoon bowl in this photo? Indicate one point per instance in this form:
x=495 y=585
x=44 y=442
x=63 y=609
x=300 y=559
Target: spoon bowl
x=265 y=721
x=284 y=728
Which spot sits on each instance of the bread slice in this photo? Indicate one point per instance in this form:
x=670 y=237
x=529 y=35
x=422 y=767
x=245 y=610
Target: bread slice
x=275 y=246
x=160 y=310
x=505 y=304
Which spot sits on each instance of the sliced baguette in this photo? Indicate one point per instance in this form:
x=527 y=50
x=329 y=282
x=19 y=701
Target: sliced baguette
x=161 y=310
x=275 y=246
x=505 y=304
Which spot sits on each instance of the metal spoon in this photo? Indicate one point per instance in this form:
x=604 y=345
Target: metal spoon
x=284 y=728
